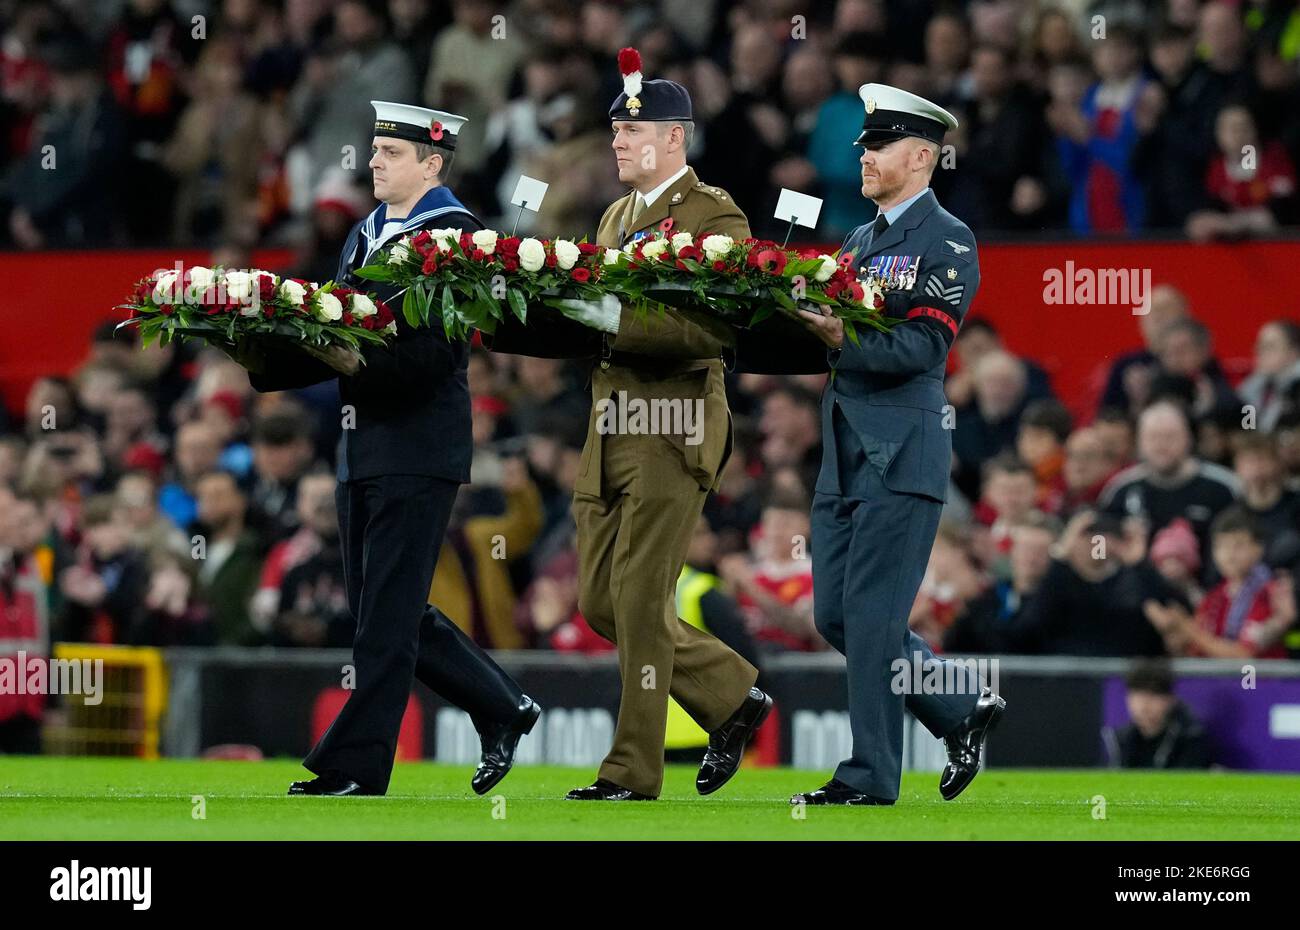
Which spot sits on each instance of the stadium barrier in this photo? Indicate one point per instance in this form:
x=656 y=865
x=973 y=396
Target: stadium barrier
x=125 y=717
x=271 y=699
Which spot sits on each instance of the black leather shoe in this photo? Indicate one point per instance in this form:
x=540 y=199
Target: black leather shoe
x=332 y=784
x=965 y=744
x=606 y=791
x=836 y=792
x=727 y=743
x=499 y=743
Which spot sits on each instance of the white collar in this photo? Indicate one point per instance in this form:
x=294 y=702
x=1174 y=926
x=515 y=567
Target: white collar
x=658 y=191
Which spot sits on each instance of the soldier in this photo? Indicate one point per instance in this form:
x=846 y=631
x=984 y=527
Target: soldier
x=638 y=497
x=885 y=465
x=399 y=470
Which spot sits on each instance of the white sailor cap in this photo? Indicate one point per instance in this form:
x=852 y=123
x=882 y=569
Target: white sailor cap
x=895 y=114
x=417 y=124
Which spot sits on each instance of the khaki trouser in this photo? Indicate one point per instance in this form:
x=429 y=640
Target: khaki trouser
x=632 y=541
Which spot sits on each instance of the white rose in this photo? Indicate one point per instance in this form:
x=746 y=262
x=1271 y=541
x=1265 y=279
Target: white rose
x=445 y=237
x=532 y=254
x=240 y=285
x=399 y=254
x=716 y=246
x=328 y=307
x=566 y=254
x=164 y=289
x=826 y=269
x=486 y=239
x=201 y=279
x=870 y=291
x=630 y=247
x=293 y=292
x=391 y=328
x=363 y=306
x=655 y=248
x=612 y=256
x=681 y=240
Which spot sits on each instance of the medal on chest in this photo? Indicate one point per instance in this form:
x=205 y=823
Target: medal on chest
x=894 y=272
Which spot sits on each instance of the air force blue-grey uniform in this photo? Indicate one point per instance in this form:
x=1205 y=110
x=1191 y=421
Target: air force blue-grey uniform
x=884 y=479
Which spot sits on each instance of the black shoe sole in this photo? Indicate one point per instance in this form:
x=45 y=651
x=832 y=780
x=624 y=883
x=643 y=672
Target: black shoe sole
x=534 y=712
x=753 y=729
x=998 y=710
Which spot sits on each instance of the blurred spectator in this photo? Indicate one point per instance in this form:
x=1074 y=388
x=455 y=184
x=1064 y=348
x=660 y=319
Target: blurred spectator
x=773 y=583
x=103 y=589
x=1251 y=185
x=312 y=602
x=990 y=421
x=1275 y=380
x=331 y=104
x=1097 y=141
x=1163 y=733
x=24 y=621
x=230 y=562
x=1247 y=614
x=215 y=153
x=1088 y=465
x=980 y=625
x=1176 y=554
x=63 y=192
x=1169 y=481
x=1128 y=384
x=1188 y=369
x=1258 y=466
x=198 y=450
x=976 y=339
x=1044 y=429
x=171 y=613
x=951 y=582
x=287 y=554
x=1090 y=601
x=282 y=451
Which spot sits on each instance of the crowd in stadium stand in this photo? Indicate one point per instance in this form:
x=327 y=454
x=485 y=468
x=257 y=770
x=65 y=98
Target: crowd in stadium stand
x=153 y=498
x=245 y=122
x=173 y=505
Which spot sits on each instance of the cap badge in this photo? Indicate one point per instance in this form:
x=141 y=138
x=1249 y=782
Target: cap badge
x=634 y=105
x=871 y=104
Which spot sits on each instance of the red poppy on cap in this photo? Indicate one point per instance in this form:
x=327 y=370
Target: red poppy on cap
x=435 y=131
x=487 y=403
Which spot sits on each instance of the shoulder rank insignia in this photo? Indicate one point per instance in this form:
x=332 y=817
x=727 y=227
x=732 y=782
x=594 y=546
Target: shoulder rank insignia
x=949 y=294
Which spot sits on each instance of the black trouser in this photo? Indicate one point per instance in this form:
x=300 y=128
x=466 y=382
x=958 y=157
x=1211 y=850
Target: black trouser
x=391 y=529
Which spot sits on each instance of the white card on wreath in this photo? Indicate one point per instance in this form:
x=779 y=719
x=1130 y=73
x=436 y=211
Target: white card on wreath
x=799 y=208
x=529 y=193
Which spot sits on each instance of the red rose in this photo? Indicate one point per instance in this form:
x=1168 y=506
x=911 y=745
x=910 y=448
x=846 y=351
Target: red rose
x=430 y=263
x=581 y=275
x=265 y=288
x=550 y=260
x=268 y=310
x=833 y=287
x=588 y=248
x=856 y=292
x=719 y=265
x=368 y=322
x=509 y=263
x=384 y=315
x=478 y=255
x=509 y=245
x=166 y=309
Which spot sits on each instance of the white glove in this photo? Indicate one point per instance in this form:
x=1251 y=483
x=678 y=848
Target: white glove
x=603 y=314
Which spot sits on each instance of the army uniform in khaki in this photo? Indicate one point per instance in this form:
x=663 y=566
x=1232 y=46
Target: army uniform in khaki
x=637 y=499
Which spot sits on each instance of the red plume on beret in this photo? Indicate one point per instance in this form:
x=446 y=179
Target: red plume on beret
x=629 y=60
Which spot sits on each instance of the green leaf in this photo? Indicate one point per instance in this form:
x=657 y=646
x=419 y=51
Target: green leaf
x=410 y=306
x=518 y=304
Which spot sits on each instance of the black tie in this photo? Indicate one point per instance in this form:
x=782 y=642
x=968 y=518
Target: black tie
x=879 y=229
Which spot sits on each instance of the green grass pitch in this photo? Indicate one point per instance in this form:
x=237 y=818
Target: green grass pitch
x=93 y=799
